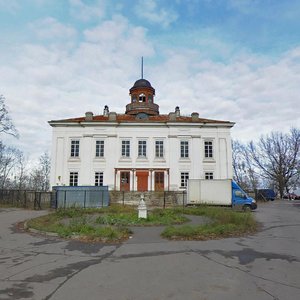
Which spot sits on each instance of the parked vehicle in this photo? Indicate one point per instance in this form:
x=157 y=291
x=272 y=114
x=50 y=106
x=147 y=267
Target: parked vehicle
x=291 y=196
x=265 y=194
x=223 y=192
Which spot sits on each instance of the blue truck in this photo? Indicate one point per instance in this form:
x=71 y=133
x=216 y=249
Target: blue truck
x=265 y=194
x=224 y=192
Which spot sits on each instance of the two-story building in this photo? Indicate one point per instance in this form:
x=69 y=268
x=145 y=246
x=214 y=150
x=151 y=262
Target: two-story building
x=141 y=149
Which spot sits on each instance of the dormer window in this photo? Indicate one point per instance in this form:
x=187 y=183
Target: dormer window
x=134 y=98
x=142 y=98
x=150 y=98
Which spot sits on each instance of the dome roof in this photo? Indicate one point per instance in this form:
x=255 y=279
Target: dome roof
x=142 y=83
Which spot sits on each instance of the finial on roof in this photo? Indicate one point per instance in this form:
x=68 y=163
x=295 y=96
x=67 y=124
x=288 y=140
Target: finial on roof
x=142 y=68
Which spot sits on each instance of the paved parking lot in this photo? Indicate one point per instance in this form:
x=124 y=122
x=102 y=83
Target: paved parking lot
x=262 y=266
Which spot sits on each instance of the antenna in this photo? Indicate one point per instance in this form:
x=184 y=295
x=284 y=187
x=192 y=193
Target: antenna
x=142 y=68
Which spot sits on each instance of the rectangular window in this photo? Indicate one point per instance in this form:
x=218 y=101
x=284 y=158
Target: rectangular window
x=98 y=178
x=184 y=176
x=126 y=148
x=184 y=149
x=208 y=149
x=159 y=148
x=209 y=175
x=99 y=148
x=73 y=178
x=142 y=148
x=75 y=148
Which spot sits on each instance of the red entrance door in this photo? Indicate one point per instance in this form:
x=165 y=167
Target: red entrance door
x=142 y=181
x=159 y=182
x=125 y=181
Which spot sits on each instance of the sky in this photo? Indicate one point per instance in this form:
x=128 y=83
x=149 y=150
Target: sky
x=232 y=60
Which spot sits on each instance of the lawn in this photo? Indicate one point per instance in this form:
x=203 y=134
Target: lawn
x=112 y=224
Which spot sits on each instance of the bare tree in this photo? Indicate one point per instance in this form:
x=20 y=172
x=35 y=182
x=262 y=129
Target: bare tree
x=20 y=173
x=9 y=157
x=243 y=171
x=276 y=156
x=6 y=124
x=39 y=177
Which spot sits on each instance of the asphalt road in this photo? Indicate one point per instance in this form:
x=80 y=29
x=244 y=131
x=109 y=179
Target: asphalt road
x=262 y=266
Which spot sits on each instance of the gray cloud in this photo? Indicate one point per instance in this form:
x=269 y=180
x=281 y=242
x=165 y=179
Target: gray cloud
x=45 y=82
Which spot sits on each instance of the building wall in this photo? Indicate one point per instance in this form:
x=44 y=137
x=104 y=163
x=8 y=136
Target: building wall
x=113 y=134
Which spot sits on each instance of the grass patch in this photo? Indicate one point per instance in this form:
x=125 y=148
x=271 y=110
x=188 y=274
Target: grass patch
x=107 y=224
x=155 y=218
x=225 y=223
x=111 y=223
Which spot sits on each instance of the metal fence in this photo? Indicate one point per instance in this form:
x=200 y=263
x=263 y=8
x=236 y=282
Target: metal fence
x=65 y=196
x=80 y=196
x=26 y=199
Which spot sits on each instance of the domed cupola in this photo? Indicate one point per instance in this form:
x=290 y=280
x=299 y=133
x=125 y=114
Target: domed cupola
x=142 y=99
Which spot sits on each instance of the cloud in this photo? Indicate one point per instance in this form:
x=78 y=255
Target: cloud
x=258 y=94
x=85 y=12
x=44 y=82
x=50 y=29
x=11 y=6
x=150 y=11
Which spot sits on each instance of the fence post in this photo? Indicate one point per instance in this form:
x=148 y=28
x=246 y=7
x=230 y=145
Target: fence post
x=101 y=198
x=164 y=206
x=123 y=198
x=35 y=200
x=40 y=200
x=25 y=199
x=65 y=199
x=183 y=199
x=84 y=200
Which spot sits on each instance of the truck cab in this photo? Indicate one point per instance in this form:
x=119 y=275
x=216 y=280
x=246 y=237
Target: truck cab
x=241 y=199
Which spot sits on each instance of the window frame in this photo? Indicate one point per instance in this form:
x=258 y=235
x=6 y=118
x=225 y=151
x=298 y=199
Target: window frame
x=98 y=178
x=142 y=148
x=159 y=149
x=73 y=178
x=125 y=148
x=208 y=149
x=184 y=149
x=99 y=151
x=184 y=177
x=209 y=175
x=75 y=148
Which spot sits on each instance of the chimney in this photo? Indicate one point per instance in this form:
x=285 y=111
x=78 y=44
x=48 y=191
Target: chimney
x=195 y=116
x=112 y=116
x=89 y=116
x=172 y=116
x=105 y=111
x=177 y=111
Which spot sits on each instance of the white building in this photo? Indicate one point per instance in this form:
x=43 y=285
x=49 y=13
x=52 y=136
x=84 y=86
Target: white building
x=140 y=150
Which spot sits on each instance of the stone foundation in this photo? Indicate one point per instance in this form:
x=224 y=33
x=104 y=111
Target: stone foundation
x=152 y=199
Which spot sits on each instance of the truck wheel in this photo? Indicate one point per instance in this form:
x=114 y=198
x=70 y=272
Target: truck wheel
x=246 y=208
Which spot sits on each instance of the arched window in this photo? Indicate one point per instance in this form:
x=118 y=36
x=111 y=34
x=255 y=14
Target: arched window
x=142 y=98
x=150 y=98
x=134 y=98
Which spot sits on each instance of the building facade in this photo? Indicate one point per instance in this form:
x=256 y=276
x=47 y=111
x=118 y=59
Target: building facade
x=140 y=150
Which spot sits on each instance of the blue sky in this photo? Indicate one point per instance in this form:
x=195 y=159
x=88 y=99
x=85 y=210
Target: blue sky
x=236 y=60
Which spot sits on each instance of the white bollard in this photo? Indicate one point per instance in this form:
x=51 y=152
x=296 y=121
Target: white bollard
x=142 y=208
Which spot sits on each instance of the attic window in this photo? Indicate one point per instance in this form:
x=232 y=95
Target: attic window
x=142 y=116
x=142 y=98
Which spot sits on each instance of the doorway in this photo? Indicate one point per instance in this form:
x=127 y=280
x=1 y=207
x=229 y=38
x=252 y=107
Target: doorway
x=125 y=181
x=159 y=181
x=142 y=181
